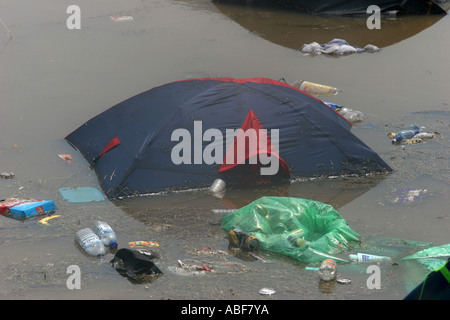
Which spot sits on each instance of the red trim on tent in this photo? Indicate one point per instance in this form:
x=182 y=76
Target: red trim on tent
x=263 y=81
x=251 y=122
x=111 y=144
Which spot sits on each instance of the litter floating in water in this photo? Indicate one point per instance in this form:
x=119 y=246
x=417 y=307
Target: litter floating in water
x=46 y=219
x=66 y=157
x=314 y=88
x=266 y=291
x=433 y=252
x=343 y=281
x=243 y=240
x=141 y=244
x=136 y=265
x=349 y=114
x=278 y=222
x=90 y=242
x=190 y=269
x=121 y=18
x=26 y=208
x=410 y=135
x=367 y=257
x=81 y=194
x=409 y=195
x=336 y=47
x=312 y=268
x=218 y=188
x=7 y=175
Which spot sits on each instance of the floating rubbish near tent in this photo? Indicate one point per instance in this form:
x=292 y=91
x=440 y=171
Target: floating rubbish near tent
x=186 y=134
x=336 y=47
x=306 y=230
x=21 y=209
x=81 y=194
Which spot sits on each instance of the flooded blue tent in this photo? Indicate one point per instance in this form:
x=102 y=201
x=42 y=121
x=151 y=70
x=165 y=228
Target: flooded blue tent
x=187 y=133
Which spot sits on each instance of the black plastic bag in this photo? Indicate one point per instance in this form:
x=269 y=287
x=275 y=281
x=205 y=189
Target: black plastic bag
x=136 y=265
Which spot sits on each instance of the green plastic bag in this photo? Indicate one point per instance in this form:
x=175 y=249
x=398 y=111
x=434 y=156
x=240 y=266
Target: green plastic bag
x=433 y=252
x=306 y=230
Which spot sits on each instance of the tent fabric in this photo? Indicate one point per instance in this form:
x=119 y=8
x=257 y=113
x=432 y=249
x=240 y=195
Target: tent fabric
x=313 y=139
x=359 y=7
x=351 y=7
x=250 y=122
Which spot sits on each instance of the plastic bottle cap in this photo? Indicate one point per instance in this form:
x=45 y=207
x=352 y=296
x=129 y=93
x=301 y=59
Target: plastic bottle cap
x=353 y=257
x=113 y=244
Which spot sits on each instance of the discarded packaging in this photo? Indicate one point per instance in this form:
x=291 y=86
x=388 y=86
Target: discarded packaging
x=66 y=157
x=312 y=268
x=352 y=115
x=142 y=244
x=363 y=257
x=190 y=269
x=243 y=240
x=349 y=114
x=106 y=234
x=335 y=47
x=136 y=265
x=410 y=135
x=218 y=188
x=46 y=219
x=266 y=291
x=404 y=135
x=314 y=88
x=184 y=272
x=408 y=196
x=81 y=194
x=343 y=280
x=433 y=252
x=195 y=267
x=26 y=208
x=90 y=242
x=121 y=18
x=223 y=211
x=273 y=220
x=424 y=135
x=7 y=175
x=327 y=270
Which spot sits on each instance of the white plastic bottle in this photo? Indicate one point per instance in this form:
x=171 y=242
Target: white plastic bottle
x=327 y=270
x=367 y=257
x=106 y=234
x=90 y=242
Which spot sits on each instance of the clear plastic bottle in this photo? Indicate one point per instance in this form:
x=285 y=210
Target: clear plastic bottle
x=327 y=270
x=90 y=242
x=106 y=234
x=352 y=115
x=408 y=133
x=403 y=135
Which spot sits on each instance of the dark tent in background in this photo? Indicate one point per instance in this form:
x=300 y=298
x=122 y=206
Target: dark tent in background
x=187 y=133
x=349 y=7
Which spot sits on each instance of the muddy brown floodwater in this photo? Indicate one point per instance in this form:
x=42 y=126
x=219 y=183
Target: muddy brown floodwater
x=54 y=79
